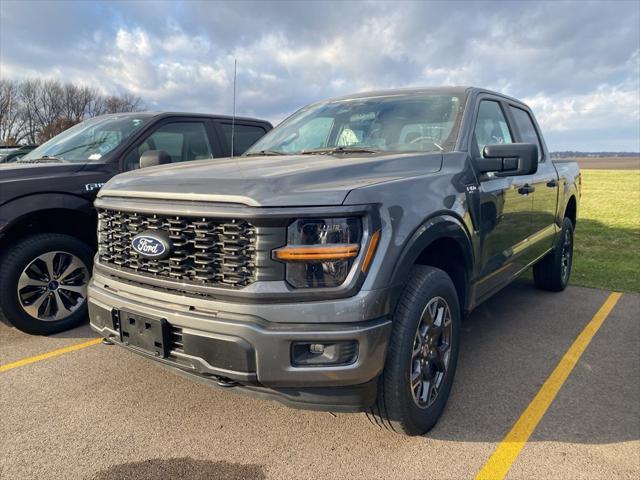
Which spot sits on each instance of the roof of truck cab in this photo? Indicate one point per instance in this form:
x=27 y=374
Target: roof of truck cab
x=182 y=114
x=446 y=90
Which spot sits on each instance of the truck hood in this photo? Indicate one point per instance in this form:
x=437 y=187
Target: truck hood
x=271 y=181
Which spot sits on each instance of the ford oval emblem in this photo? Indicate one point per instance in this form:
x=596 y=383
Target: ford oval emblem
x=152 y=244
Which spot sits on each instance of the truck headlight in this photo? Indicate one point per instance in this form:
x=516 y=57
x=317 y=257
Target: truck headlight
x=320 y=252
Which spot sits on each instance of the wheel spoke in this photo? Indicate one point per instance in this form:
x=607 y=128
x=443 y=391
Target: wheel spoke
x=417 y=346
x=433 y=309
x=424 y=392
x=444 y=348
x=416 y=377
x=73 y=265
x=81 y=289
x=61 y=311
x=48 y=259
x=439 y=315
x=26 y=281
x=33 y=308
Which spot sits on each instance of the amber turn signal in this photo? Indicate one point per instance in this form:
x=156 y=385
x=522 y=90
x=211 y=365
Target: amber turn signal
x=373 y=243
x=319 y=253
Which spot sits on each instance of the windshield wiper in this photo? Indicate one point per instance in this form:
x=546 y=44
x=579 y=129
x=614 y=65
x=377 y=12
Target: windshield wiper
x=264 y=153
x=339 y=150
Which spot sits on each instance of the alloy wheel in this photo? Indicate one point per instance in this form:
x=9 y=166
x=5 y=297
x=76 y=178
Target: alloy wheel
x=53 y=286
x=431 y=352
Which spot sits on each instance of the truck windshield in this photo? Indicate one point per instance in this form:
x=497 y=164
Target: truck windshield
x=391 y=123
x=89 y=140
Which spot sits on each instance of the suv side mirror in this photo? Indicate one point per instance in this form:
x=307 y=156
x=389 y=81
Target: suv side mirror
x=509 y=159
x=151 y=158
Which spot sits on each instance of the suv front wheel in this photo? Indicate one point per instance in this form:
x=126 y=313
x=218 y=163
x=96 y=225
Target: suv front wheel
x=422 y=355
x=43 y=283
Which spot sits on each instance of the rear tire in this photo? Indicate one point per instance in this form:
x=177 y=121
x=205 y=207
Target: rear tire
x=422 y=355
x=553 y=271
x=43 y=281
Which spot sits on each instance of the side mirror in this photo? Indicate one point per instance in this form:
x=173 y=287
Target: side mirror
x=151 y=158
x=509 y=159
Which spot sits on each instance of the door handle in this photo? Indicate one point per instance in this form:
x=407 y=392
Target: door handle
x=526 y=190
x=552 y=184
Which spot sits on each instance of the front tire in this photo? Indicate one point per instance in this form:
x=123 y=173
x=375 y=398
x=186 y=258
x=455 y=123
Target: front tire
x=422 y=355
x=43 y=283
x=552 y=273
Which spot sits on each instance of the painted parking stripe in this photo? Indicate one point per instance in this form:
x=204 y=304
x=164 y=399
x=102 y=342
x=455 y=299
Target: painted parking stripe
x=51 y=354
x=508 y=450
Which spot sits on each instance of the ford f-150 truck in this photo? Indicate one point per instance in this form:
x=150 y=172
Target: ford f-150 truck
x=331 y=265
x=47 y=219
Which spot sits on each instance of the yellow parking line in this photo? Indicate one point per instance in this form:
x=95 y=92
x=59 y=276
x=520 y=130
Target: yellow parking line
x=52 y=353
x=508 y=450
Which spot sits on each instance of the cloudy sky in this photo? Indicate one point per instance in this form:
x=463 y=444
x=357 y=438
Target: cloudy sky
x=576 y=64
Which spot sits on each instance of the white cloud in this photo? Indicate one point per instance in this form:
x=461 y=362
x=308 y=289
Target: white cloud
x=577 y=65
x=134 y=42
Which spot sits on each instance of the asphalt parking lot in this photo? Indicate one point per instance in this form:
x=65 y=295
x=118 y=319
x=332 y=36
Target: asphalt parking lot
x=102 y=412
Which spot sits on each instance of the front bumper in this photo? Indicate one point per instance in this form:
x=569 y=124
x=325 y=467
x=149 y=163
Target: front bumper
x=244 y=345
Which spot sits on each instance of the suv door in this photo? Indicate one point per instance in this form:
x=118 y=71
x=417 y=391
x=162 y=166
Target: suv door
x=505 y=204
x=183 y=139
x=545 y=184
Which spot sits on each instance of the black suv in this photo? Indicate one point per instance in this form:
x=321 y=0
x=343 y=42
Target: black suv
x=47 y=219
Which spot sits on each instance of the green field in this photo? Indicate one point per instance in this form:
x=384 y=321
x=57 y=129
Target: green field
x=607 y=239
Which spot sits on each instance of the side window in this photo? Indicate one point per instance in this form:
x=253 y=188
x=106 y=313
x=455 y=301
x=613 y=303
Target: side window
x=243 y=137
x=183 y=141
x=491 y=125
x=526 y=128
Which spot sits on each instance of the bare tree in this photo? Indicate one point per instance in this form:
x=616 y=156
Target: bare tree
x=34 y=110
x=10 y=118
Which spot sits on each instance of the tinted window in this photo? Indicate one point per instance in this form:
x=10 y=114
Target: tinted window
x=526 y=128
x=243 y=137
x=491 y=125
x=183 y=141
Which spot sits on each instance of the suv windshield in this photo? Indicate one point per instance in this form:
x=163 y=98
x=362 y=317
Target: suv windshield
x=89 y=140
x=419 y=122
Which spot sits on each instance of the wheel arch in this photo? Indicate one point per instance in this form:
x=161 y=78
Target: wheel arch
x=571 y=210
x=49 y=213
x=442 y=242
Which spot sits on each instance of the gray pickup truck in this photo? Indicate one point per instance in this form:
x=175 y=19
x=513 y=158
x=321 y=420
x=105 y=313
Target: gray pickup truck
x=331 y=265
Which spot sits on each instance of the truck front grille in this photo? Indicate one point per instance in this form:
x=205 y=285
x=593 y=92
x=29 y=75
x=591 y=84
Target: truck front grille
x=205 y=251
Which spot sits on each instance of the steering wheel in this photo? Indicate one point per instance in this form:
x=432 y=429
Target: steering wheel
x=424 y=138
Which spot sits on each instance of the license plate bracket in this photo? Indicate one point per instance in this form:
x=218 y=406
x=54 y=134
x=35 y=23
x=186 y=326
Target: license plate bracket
x=147 y=334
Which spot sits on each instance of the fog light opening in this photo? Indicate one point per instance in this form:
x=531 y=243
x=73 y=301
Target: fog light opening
x=304 y=354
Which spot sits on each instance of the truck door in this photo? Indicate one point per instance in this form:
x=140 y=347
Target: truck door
x=545 y=184
x=505 y=205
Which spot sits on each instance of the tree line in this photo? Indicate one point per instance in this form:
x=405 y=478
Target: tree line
x=32 y=111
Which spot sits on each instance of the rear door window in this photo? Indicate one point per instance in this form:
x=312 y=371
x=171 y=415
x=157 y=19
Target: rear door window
x=243 y=137
x=525 y=126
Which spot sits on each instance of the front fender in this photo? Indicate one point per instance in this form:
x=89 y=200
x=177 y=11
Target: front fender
x=434 y=228
x=15 y=210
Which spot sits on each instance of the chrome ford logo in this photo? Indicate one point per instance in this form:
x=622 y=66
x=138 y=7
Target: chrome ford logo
x=152 y=244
